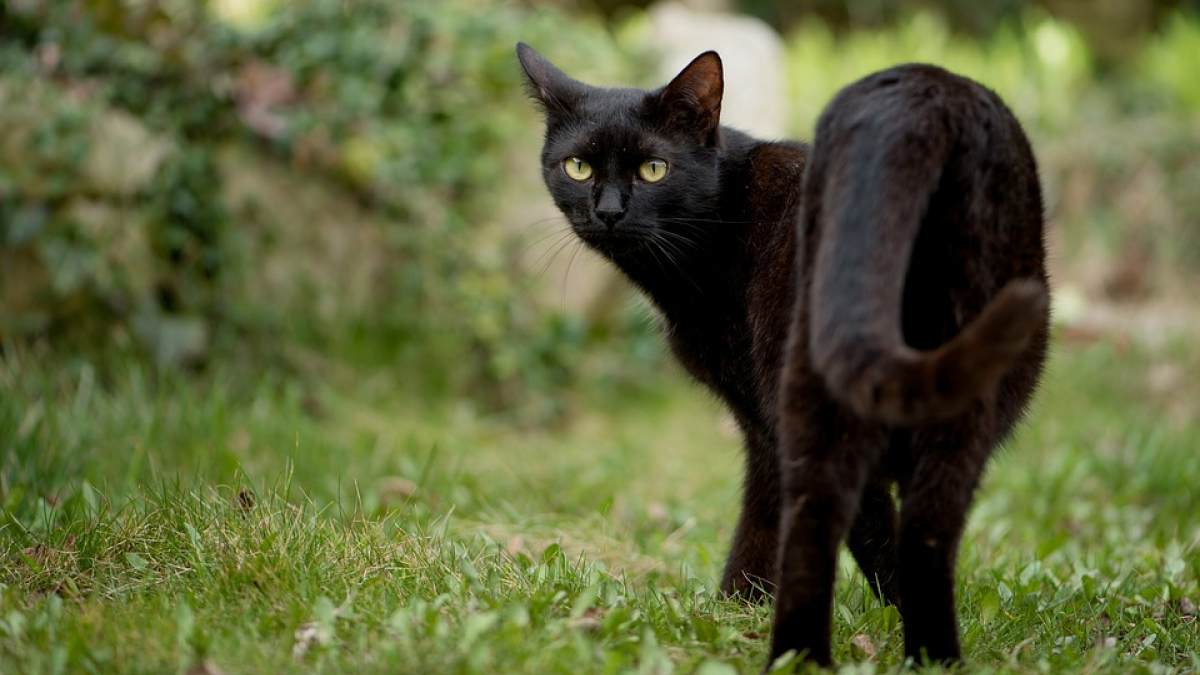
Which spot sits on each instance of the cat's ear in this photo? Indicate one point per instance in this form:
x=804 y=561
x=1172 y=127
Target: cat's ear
x=552 y=87
x=692 y=101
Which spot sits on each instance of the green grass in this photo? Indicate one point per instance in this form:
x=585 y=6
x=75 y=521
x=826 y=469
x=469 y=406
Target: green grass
x=264 y=524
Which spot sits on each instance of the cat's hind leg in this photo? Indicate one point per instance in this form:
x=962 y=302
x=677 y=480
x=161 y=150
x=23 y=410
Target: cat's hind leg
x=872 y=540
x=935 y=498
x=826 y=458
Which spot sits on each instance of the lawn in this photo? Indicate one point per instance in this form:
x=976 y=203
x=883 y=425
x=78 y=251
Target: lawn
x=241 y=522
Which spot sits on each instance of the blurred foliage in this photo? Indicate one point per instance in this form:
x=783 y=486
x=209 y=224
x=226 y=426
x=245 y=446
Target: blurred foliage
x=1114 y=30
x=1119 y=152
x=1170 y=63
x=184 y=175
x=976 y=17
x=1040 y=73
x=195 y=180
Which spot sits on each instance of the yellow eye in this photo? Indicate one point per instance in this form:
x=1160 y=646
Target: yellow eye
x=653 y=170
x=577 y=169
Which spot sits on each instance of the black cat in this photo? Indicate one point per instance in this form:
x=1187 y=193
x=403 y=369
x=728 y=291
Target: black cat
x=873 y=309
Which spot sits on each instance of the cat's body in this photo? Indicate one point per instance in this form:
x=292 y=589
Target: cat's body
x=834 y=297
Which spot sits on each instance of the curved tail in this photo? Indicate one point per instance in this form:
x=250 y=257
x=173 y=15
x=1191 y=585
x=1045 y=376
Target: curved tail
x=903 y=386
x=865 y=202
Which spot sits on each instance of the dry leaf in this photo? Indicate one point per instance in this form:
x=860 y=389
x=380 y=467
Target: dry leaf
x=395 y=489
x=863 y=645
x=589 y=620
x=658 y=512
x=306 y=636
x=516 y=545
x=261 y=88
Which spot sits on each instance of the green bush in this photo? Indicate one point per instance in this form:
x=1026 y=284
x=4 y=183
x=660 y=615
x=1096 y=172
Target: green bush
x=131 y=202
x=112 y=214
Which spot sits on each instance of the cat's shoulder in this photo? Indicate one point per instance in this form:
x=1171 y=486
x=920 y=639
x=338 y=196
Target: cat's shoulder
x=777 y=171
x=784 y=157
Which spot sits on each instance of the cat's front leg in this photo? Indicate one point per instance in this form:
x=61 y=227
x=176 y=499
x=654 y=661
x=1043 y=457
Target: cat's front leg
x=750 y=570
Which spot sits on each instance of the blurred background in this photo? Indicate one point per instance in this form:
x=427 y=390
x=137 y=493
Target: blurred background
x=343 y=195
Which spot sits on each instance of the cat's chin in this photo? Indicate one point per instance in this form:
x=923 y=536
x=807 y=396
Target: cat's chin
x=612 y=243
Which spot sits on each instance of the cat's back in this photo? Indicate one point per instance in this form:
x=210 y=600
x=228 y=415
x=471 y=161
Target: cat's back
x=920 y=122
x=924 y=99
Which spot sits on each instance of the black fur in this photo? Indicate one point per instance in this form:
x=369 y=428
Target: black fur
x=872 y=309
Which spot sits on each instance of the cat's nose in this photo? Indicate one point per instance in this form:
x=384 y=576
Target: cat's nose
x=610 y=217
x=608 y=208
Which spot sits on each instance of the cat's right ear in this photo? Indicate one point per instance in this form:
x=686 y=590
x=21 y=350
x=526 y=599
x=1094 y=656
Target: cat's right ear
x=552 y=87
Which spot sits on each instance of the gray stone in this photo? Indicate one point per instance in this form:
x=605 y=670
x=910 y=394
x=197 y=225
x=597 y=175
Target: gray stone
x=124 y=155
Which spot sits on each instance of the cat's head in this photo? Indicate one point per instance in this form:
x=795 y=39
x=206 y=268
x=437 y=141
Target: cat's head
x=628 y=167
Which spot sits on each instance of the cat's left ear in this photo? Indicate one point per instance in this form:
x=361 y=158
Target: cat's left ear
x=692 y=100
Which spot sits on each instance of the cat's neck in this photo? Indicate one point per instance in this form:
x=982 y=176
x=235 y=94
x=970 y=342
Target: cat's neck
x=706 y=277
